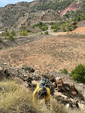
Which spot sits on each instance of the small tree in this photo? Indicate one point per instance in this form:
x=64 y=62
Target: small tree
x=13 y=33
x=10 y=37
x=78 y=73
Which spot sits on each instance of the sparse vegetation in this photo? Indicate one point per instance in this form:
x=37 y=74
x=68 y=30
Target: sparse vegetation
x=10 y=37
x=23 y=33
x=78 y=73
x=13 y=33
x=64 y=71
x=6 y=33
x=55 y=26
x=41 y=25
x=46 y=32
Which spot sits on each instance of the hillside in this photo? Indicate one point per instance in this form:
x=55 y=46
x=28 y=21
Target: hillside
x=42 y=40
x=24 y=61
x=46 y=52
x=13 y=15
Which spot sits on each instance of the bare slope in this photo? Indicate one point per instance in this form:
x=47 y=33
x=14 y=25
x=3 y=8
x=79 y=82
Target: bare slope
x=51 y=53
x=80 y=30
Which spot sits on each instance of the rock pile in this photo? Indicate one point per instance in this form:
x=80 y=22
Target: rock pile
x=65 y=93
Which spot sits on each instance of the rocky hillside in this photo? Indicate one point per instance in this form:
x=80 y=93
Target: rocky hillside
x=62 y=87
x=13 y=15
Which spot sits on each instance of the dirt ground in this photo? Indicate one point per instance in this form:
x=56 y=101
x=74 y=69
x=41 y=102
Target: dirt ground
x=51 y=53
x=80 y=30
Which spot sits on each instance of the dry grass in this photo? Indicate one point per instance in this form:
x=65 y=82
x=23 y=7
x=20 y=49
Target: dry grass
x=17 y=99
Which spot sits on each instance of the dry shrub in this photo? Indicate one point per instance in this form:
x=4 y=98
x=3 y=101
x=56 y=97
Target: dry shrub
x=54 y=107
x=15 y=99
x=18 y=99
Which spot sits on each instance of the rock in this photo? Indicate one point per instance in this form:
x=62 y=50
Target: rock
x=2 y=74
x=74 y=93
x=36 y=76
x=73 y=90
x=1 y=69
x=34 y=83
x=49 y=76
x=28 y=68
x=67 y=106
x=56 y=94
x=59 y=83
x=10 y=72
x=74 y=104
x=82 y=106
x=52 y=87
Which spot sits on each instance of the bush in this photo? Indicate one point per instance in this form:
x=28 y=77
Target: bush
x=43 y=28
x=10 y=37
x=41 y=25
x=64 y=71
x=0 y=39
x=46 y=33
x=23 y=33
x=41 y=33
x=13 y=33
x=6 y=33
x=78 y=73
x=55 y=30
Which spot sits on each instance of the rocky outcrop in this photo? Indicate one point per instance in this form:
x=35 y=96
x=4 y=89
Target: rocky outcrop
x=65 y=93
x=73 y=7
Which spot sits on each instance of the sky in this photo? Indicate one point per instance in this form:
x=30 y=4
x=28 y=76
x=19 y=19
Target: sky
x=5 y=2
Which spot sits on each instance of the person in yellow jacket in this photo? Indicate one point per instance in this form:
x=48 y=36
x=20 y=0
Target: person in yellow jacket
x=42 y=91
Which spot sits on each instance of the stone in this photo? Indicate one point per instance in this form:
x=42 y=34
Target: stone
x=59 y=83
x=28 y=68
x=49 y=76
x=67 y=106
x=34 y=83
x=73 y=92
x=1 y=69
x=82 y=106
x=56 y=93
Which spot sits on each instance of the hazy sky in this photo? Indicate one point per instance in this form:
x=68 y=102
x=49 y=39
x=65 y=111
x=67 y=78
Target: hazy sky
x=5 y=2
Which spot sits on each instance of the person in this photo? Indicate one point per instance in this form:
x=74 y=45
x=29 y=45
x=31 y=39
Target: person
x=42 y=91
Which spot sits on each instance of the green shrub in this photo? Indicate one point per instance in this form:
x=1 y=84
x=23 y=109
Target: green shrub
x=64 y=71
x=0 y=39
x=10 y=37
x=78 y=73
x=6 y=33
x=43 y=28
x=41 y=33
x=23 y=33
x=13 y=33
x=41 y=25
x=55 y=30
x=46 y=33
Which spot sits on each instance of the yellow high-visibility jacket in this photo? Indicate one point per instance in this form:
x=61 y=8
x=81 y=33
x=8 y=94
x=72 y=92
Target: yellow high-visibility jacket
x=35 y=96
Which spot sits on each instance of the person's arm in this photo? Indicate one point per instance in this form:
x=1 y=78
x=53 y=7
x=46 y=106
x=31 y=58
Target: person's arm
x=47 y=98
x=35 y=98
